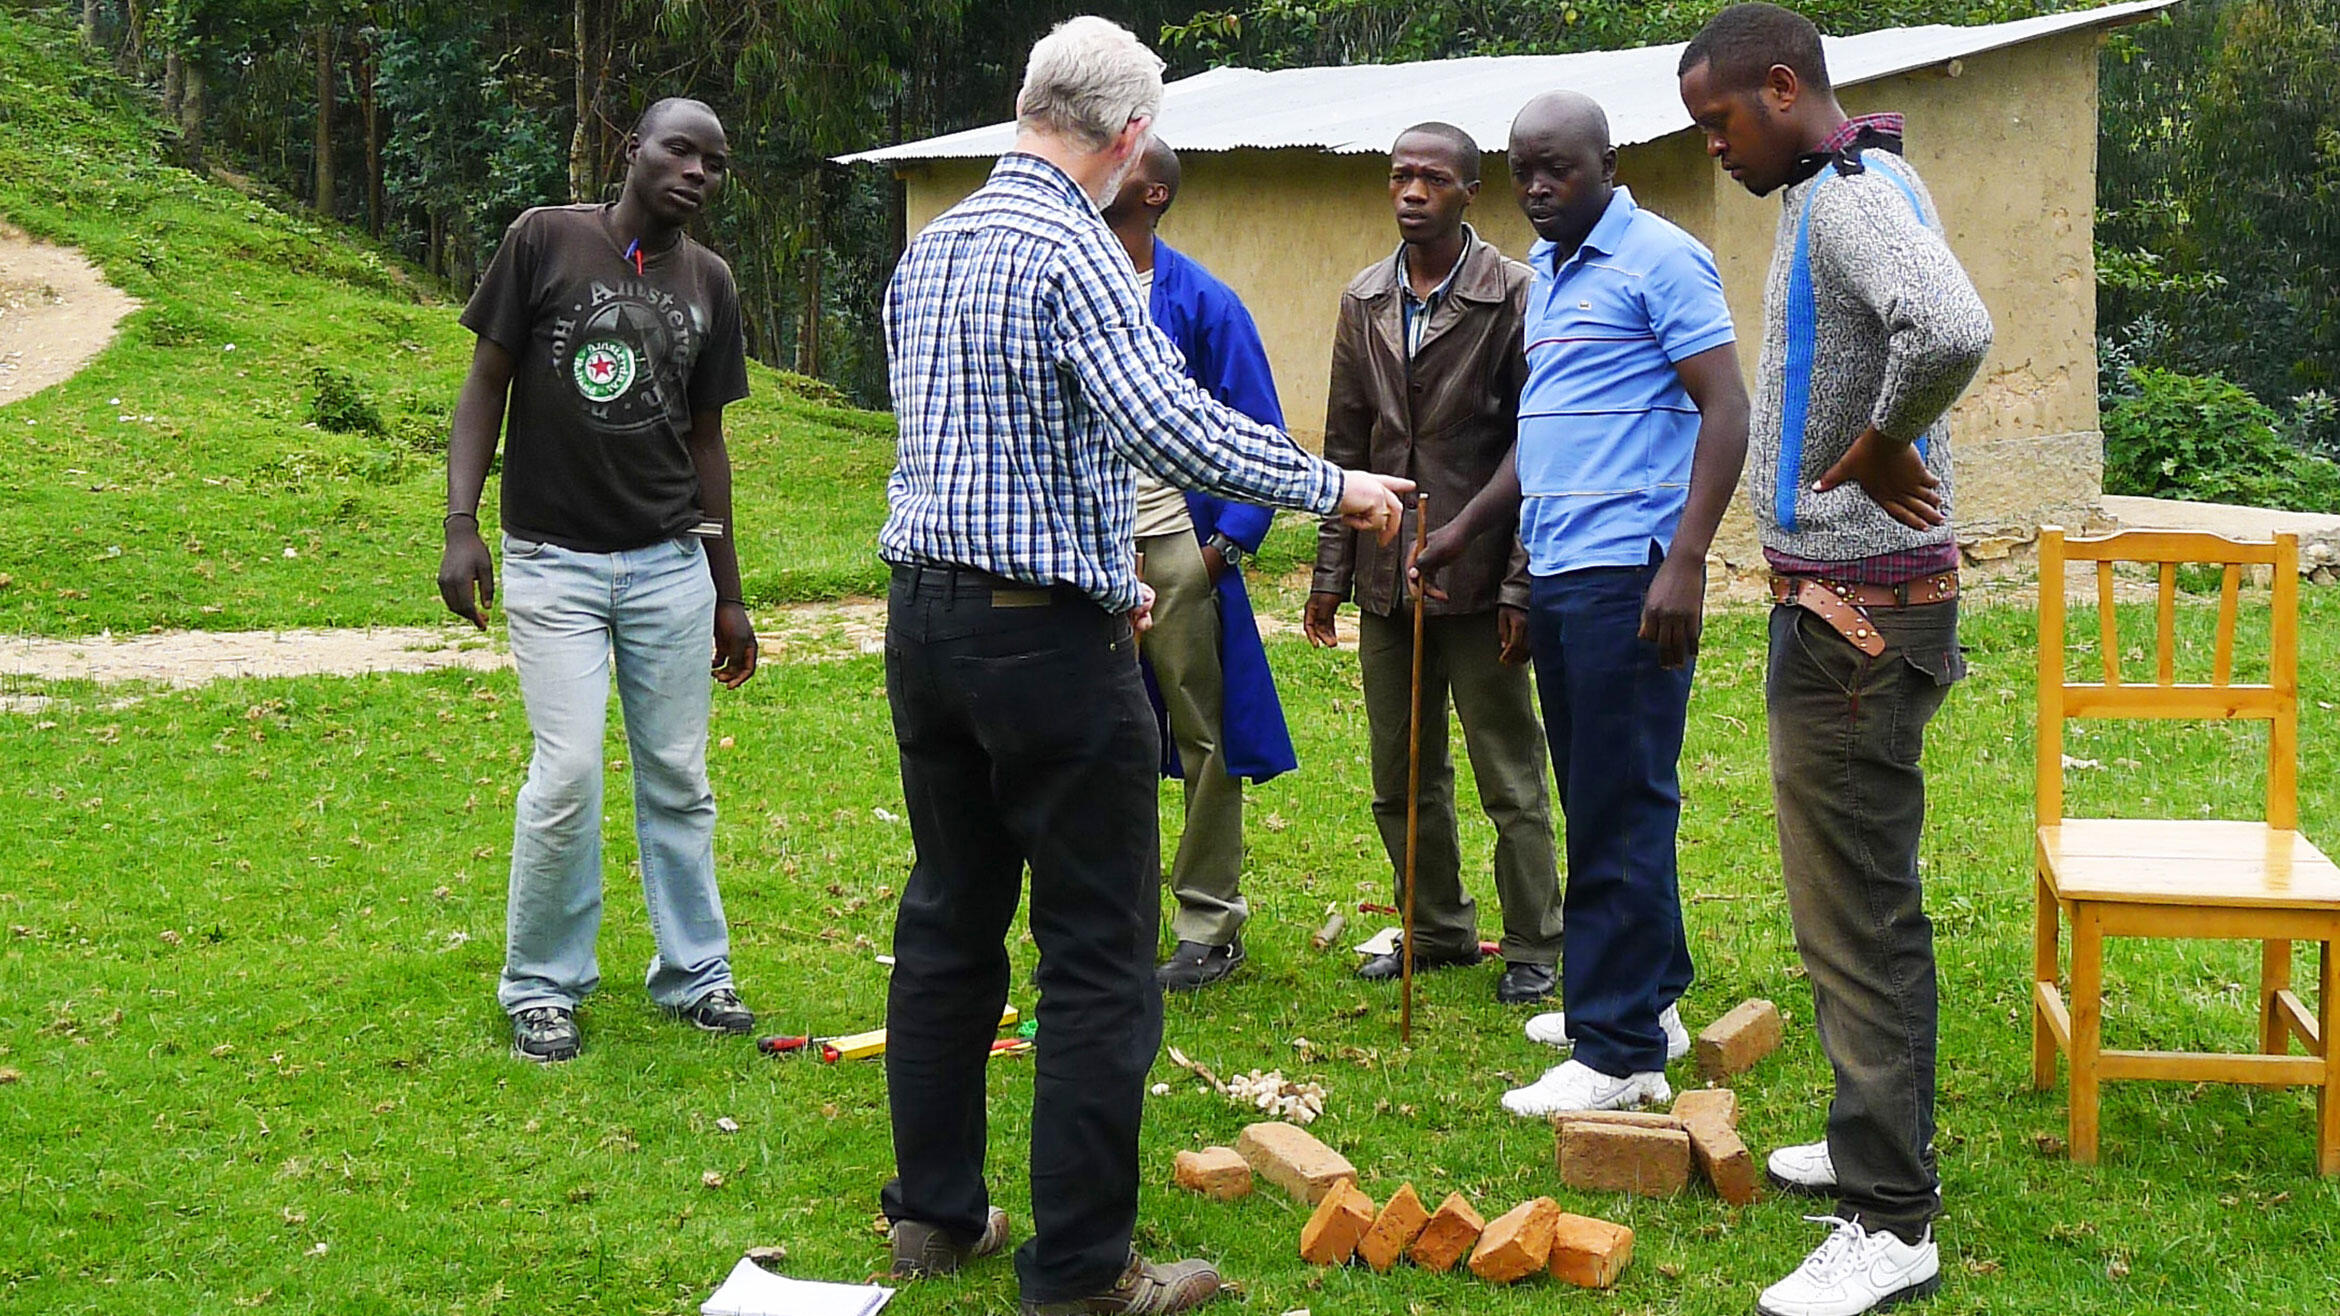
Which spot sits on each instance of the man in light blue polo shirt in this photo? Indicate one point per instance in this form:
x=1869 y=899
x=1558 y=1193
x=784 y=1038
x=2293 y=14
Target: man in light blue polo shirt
x=1632 y=429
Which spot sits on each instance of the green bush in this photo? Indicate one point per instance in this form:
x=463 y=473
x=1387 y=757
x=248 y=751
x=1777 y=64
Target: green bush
x=2204 y=439
x=340 y=405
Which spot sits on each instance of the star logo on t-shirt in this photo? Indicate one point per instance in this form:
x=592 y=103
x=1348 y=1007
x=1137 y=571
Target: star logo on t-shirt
x=604 y=369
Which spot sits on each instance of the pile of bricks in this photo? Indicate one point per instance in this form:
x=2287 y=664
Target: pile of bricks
x=1651 y=1154
x=1535 y=1237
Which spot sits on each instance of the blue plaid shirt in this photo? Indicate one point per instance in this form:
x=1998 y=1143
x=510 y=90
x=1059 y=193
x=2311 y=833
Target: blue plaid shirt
x=1028 y=380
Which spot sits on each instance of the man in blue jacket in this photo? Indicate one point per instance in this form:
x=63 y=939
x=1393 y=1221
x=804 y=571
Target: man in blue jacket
x=1206 y=668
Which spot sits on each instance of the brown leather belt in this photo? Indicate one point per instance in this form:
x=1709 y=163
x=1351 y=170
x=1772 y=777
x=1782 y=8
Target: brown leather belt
x=1845 y=605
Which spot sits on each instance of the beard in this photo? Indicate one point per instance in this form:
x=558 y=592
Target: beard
x=1111 y=188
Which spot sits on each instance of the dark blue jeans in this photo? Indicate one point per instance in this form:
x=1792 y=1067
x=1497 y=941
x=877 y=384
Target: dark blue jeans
x=1026 y=741
x=1614 y=720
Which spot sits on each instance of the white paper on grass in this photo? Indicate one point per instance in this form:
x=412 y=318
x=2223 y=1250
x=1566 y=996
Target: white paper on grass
x=1384 y=942
x=751 y=1290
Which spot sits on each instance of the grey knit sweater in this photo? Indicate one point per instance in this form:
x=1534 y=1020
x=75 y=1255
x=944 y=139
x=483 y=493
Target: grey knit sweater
x=1862 y=287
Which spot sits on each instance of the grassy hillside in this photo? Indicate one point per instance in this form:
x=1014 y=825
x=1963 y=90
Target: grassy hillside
x=180 y=480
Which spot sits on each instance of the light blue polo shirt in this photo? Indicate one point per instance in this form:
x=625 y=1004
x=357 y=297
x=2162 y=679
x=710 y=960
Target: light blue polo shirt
x=1606 y=430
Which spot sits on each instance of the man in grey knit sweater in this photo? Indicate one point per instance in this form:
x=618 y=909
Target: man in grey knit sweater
x=1871 y=331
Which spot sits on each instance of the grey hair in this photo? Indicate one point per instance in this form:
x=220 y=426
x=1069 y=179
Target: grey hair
x=1086 y=80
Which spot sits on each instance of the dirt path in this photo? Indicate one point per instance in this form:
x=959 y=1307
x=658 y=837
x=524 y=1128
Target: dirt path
x=808 y=632
x=194 y=657
x=56 y=312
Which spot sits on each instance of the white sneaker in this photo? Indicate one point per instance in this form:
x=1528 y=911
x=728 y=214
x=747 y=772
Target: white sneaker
x=1573 y=1085
x=1805 y=1168
x=1552 y=1030
x=1855 y=1271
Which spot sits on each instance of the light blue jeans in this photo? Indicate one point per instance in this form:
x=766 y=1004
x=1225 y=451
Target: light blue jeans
x=570 y=614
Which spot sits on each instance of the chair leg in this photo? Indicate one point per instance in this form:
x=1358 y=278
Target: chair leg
x=2328 y=1098
x=2274 y=976
x=2087 y=1028
x=2043 y=970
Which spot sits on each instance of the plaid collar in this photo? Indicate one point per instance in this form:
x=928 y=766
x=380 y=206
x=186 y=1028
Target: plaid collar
x=1843 y=147
x=1887 y=125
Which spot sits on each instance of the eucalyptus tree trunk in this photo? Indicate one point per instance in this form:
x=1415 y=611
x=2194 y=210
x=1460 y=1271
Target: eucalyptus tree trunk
x=582 y=183
x=191 y=110
x=370 y=109
x=325 y=99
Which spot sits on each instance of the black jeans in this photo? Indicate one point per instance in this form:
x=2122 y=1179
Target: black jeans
x=1614 y=718
x=1847 y=733
x=1026 y=738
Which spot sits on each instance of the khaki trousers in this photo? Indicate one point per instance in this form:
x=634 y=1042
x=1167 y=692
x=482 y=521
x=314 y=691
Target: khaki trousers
x=1506 y=744
x=1183 y=648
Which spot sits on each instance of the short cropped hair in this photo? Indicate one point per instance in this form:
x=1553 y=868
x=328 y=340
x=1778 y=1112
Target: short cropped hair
x=1740 y=44
x=660 y=108
x=1087 y=79
x=1466 y=148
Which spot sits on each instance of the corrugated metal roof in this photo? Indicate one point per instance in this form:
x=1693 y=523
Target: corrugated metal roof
x=1360 y=109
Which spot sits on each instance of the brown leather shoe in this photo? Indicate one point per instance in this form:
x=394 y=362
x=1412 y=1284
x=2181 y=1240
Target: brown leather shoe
x=1145 y=1289
x=922 y=1250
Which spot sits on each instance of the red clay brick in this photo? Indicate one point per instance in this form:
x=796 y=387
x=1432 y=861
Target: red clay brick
x=1453 y=1231
x=1397 y=1225
x=1698 y=1104
x=1711 y=1115
x=1219 y=1172
x=1647 y=1119
x=1291 y=1158
x=1725 y=1161
x=1624 y=1158
x=1732 y=1044
x=1517 y=1243
x=1330 y=1236
x=1589 y=1253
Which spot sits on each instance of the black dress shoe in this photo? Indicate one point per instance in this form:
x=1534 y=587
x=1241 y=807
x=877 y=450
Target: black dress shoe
x=1522 y=983
x=1194 y=965
x=1383 y=968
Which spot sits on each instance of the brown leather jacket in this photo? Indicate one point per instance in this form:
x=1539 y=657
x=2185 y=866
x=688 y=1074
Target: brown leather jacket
x=1443 y=420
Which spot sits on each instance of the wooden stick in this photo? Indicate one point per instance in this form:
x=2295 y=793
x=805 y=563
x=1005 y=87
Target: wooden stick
x=1413 y=785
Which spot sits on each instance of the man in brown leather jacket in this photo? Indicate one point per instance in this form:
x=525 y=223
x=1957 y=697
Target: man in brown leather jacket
x=1426 y=374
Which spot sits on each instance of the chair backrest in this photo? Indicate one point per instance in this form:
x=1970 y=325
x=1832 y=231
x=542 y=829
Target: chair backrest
x=2276 y=702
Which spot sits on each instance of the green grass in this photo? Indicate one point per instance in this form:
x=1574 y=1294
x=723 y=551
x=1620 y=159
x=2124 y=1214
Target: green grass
x=252 y=933
x=249 y=933
x=179 y=479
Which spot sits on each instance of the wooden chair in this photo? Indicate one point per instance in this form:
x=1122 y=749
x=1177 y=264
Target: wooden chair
x=2180 y=878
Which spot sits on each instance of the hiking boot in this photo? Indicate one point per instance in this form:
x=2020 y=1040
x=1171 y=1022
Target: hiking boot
x=1574 y=1085
x=922 y=1251
x=1144 y=1289
x=546 y=1034
x=1194 y=965
x=719 y=1011
x=1855 y=1271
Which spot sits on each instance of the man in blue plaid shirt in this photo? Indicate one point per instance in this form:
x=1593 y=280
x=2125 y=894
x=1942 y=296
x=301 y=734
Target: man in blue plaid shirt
x=1028 y=382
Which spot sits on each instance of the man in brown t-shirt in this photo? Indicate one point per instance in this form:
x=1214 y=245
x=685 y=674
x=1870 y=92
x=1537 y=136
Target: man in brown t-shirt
x=615 y=341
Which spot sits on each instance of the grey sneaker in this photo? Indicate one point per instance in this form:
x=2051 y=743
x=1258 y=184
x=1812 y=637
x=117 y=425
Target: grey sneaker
x=922 y=1250
x=719 y=1011
x=546 y=1034
x=1144 y=1289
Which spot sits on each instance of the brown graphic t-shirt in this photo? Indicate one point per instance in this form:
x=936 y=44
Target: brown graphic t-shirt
x=608 y=367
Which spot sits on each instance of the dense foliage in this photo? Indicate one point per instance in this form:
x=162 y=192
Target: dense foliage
x=2204 y=439
x=434 y=122
x=2219 y=190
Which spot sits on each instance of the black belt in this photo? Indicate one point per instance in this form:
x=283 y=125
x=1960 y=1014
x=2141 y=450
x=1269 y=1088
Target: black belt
x=952 y=581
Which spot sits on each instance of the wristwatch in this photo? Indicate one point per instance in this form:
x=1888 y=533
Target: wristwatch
x=1230 y=552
